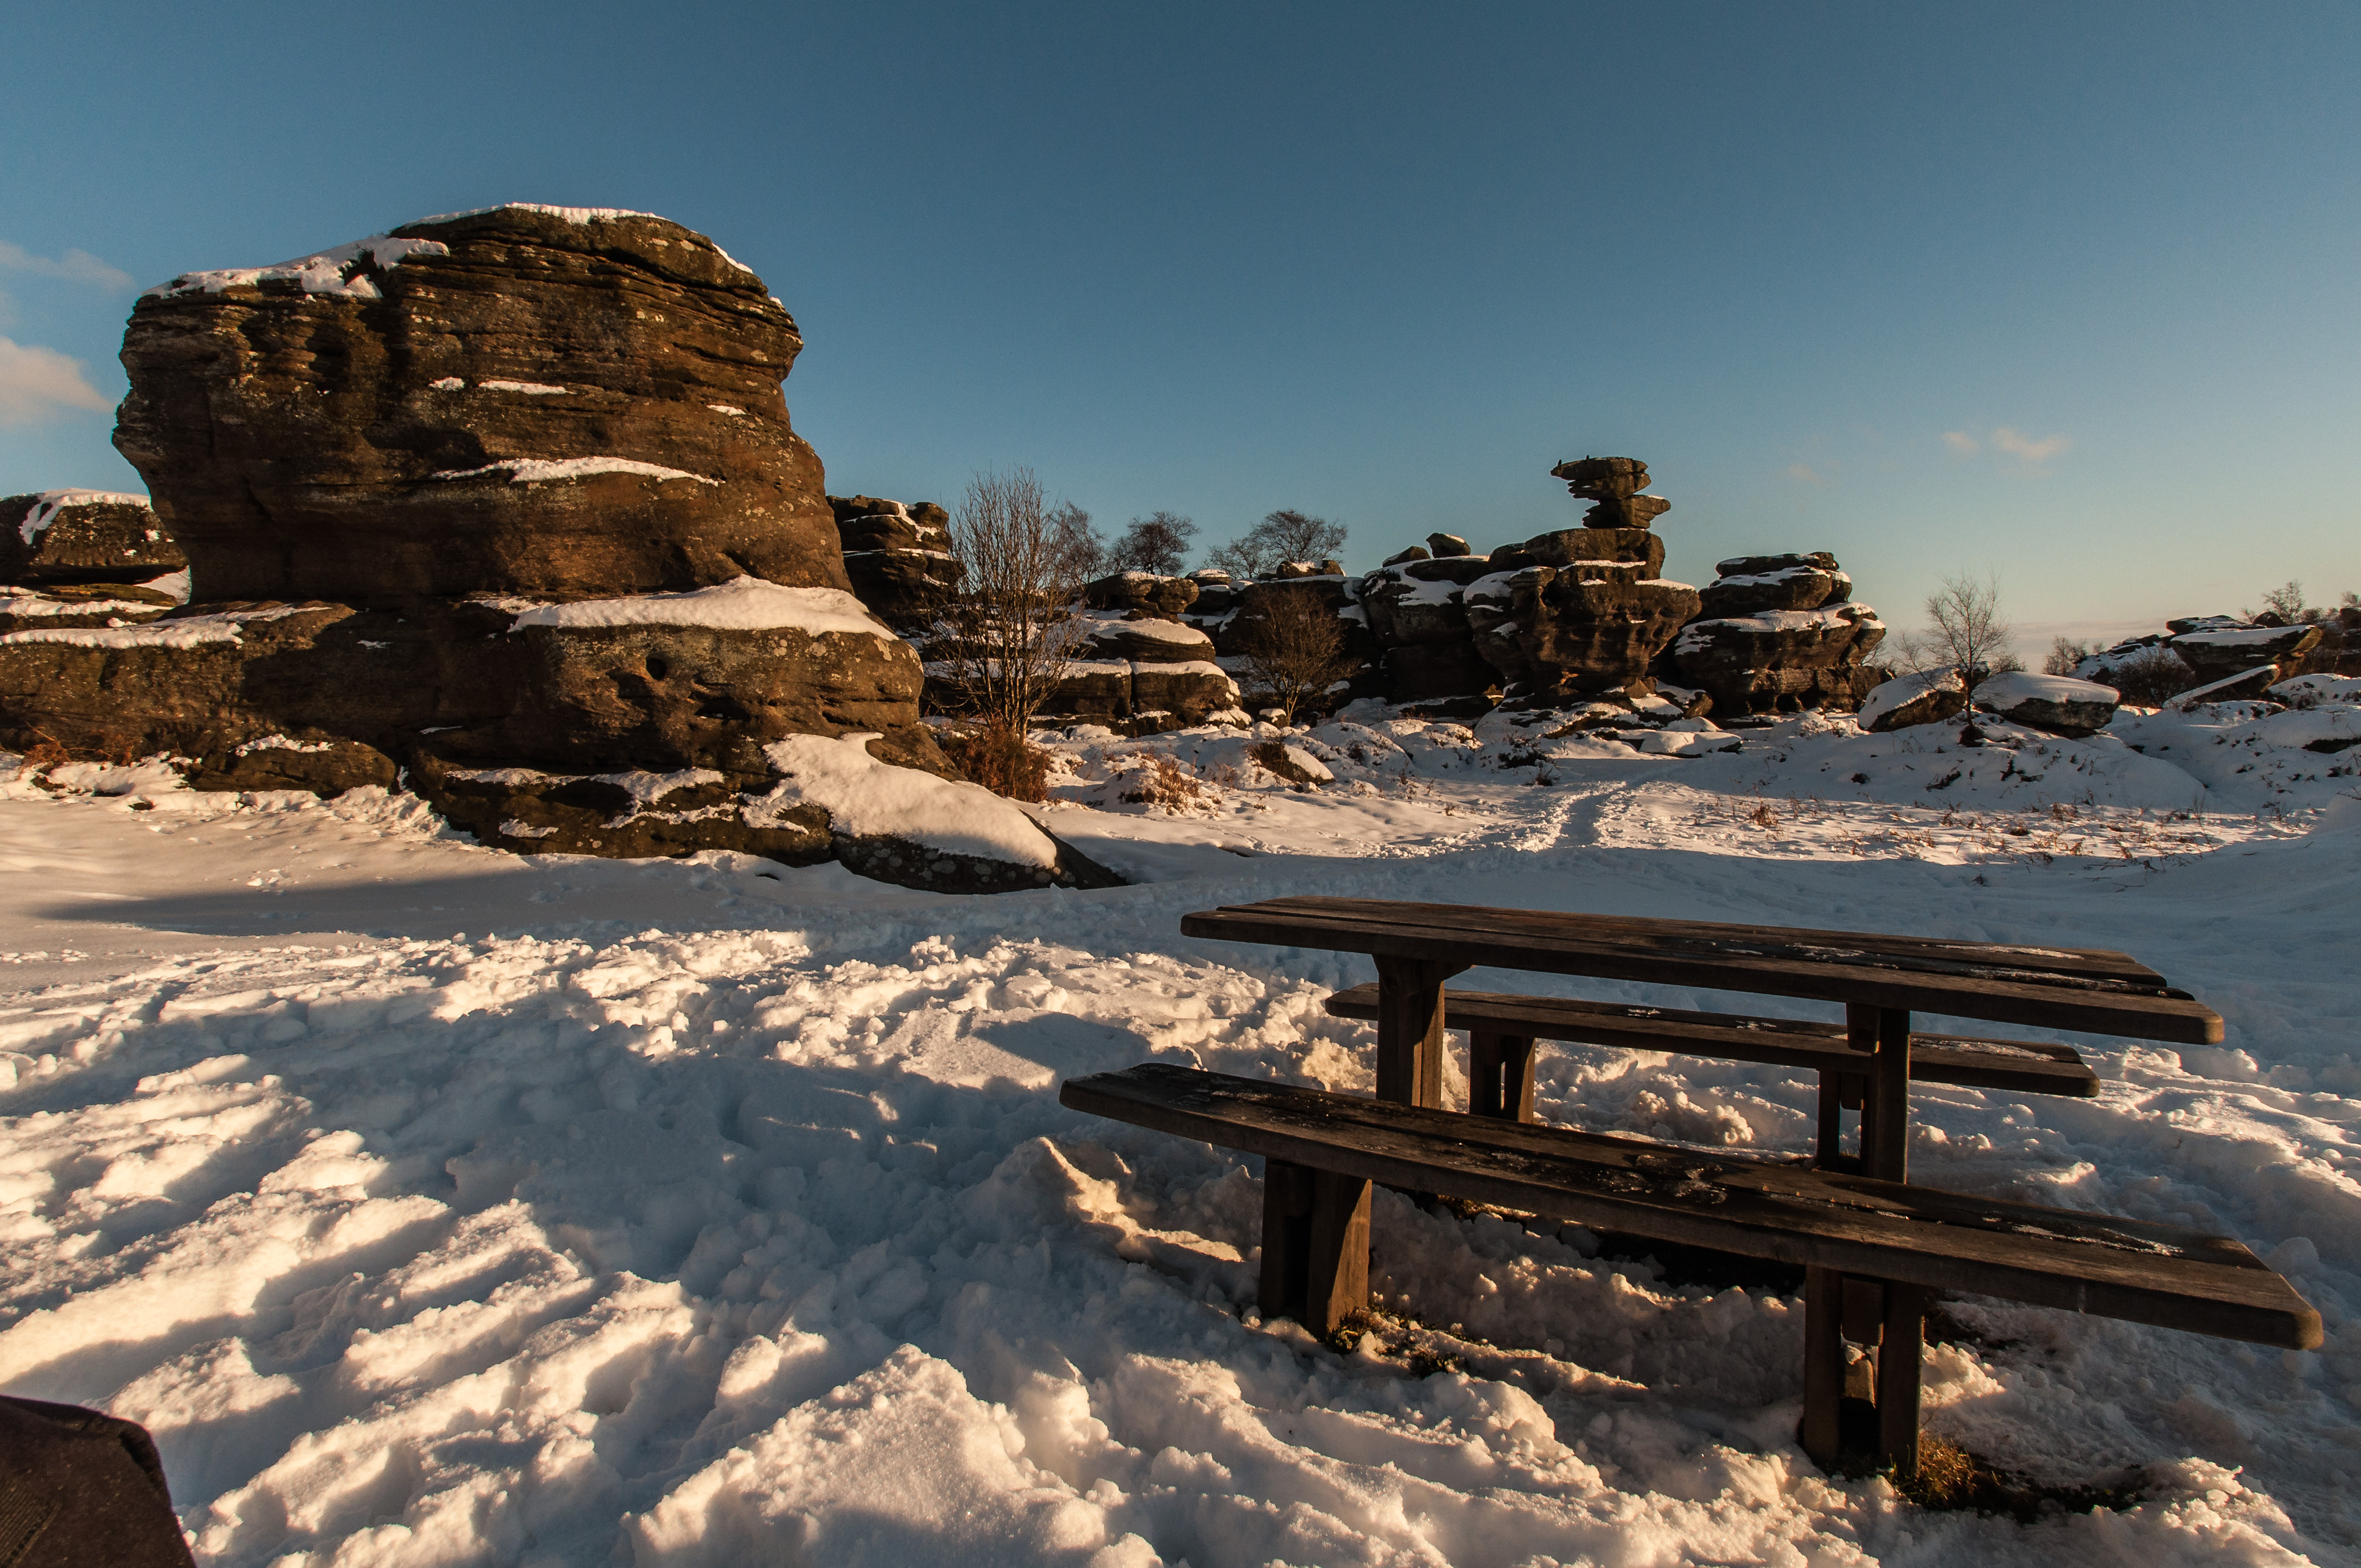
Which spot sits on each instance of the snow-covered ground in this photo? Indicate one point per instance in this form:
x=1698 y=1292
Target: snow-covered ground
x=434 y=1205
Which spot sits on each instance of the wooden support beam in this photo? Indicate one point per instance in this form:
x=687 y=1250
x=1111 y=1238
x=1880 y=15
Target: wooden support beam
x=1828 y=1147
x=1899 y=1345
x=1885 y=1113
x=1315 y=1246
x=1824 y=1364
x=1410 y=1030
x=1501 y=1075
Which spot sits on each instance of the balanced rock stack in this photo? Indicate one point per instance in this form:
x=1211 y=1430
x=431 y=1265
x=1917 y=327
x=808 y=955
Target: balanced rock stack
x=73 y=558
x=1776 y=633
x=510 y=499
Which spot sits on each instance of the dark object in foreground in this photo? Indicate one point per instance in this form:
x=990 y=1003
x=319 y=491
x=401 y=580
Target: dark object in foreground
x=79 y=1489
x=1872 y=1250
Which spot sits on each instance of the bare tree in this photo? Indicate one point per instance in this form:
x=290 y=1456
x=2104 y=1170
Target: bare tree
x=1078 y=544
x=2065 y=656
x=1283 y=535
x=1012 y=632
x=1968 y=633
x=1157 y=543
x=2287 y=601
x=1293 y=645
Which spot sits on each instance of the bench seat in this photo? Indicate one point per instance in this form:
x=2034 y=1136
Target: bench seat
x=2025 y=1067
x=1902 y=1242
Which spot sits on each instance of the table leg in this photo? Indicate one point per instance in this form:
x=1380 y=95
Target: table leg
x=1824 y=1364
x=1885 y=1113
x=1315 y=1246
x=1501 y=1075
x=1898 y=1346
x=1410 y=1029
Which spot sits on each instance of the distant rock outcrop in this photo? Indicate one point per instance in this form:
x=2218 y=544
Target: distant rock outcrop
x=898 y=556
x=1778 y=633
x=509 y=499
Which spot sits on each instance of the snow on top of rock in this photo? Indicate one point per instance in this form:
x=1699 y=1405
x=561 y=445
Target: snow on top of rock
x=743 y=603
x=2020 y=685
x=177 y=583
x=337 y=270
x=1698 y=634
x=2305 y=691
x=1768 y=579
x=540 y=470
x=644 y=787
x=34 y=606
x=1154 y=630
x=576 y=215
x=1890 y=694
x=48 y=503
x=865 y=798
x=2242 y=637
x=188 y=633
x=536 y=388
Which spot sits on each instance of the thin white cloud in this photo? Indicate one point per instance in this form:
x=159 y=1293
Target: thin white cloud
x=2028 y=449
x=1960 y=441
x=74 y=266
x=39 y=384
x=1804 y=473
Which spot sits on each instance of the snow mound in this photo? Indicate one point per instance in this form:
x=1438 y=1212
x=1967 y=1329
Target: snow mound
x=2013 y=686
x=865 y=798
x=743 y=603
x=1902 y=690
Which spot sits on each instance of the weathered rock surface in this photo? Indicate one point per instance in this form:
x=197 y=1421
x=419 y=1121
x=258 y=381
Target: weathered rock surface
x=1778 y=633
x=81 y=605
x=1587 y=628
x=71 y=537
x=1144 y=592
x=528 y=401
x=2058 y=703
x=2245 y=686
x=899 y=558
x=1905 y=701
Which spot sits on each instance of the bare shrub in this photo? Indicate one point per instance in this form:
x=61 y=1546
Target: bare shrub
x=1011 y=632
x=1002 y=761
x=1968 y=632
x=1294 y=648
x=2152 y=678
x=2064 y=656
x=1165 y=782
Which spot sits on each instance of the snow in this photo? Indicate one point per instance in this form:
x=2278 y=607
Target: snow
x=2239 y=637
x=188 y=631
x=337 y=270
x=436 y=1204
x=2011 y=686
x=866 y=798
x=2304 y=691
x=177 y=583
x=31 y=603
x=48 y=503
x=732 y=410
x=540 y=470
x=1887 y=696
x=448 y=384
x=534 y=389
x=577 y=215
x=743 y=603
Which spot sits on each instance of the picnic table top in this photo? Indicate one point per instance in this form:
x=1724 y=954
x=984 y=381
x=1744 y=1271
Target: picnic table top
x=2091 y=990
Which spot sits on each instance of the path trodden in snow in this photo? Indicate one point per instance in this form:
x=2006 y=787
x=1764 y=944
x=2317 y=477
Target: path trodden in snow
x=432 y=1205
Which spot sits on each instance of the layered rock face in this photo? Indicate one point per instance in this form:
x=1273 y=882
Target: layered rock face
x=1777 y=633
x=898 y=556
x=509 y=499
x=1141 y=666
x=524 y=401
x=74 y=538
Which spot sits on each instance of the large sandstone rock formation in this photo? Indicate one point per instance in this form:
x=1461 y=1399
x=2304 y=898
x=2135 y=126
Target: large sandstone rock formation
x=1777 y=633
x=509 y=499
x=898 y=556
x=78 y=537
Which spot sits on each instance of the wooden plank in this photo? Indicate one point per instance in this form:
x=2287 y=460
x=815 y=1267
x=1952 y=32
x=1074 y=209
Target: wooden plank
x=2028 y=1067
x=2087 y=963
x=1884 y=1032
x=2122 y=1269
x=2137 y=1014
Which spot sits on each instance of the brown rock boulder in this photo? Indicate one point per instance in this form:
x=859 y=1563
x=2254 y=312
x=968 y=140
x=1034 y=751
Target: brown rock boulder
x=1614 y=483
x=1780 y=659
x=526 y=400
x=60 y=537
x=1580 y=629
x=898 y=556
x=1570 y=546
x=1142 y=591
x=2218 y=652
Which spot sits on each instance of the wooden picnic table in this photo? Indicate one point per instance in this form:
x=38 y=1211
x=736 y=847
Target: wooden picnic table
x=1880 y=979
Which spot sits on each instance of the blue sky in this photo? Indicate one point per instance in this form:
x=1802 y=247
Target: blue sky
x=2063 y=293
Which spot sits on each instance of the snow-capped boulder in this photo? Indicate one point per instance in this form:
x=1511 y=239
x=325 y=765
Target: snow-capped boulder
x=1748 y=585
x=2058 y=703
x=1777 y=632
x=898 y=556
x=71 y=537
x=522 y=400
x=1929 y=697
x=1142 y=591
x=2315 y=691
x=2219 y=652
x=2245 y=686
